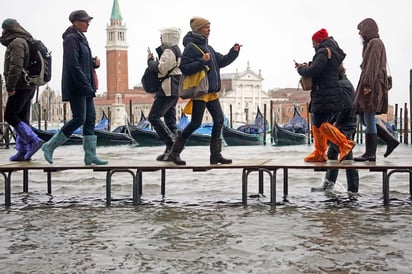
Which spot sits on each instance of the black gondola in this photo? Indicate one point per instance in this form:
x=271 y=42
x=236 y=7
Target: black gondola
x=291 y=133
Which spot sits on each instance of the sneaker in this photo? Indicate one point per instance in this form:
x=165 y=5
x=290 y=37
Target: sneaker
x=353 y=194
x=326 y=185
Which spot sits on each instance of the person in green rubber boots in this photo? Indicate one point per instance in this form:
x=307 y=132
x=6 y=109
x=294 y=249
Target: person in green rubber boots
x=79 y=86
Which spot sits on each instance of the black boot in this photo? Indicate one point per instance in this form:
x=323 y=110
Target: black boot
x=388 y=138
x=165 y=155
x=177 y=147
x=371 y=141
x=215 y=153
x=167 y=135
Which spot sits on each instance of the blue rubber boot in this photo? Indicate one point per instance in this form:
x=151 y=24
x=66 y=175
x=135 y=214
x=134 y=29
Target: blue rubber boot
x=89 y=146
x=32 y=141
x=21 y=150
x=48 y=148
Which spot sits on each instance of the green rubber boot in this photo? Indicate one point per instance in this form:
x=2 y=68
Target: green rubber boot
x=48 y=148
x=89 y=146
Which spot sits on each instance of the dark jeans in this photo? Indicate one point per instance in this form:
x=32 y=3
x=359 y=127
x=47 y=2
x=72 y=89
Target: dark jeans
x=164 y=106
x=352 y=175
x=198 y=110
x=83 y=114
x=18 y=106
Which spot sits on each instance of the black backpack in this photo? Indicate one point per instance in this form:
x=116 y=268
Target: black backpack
x=39 y=68
x=151 y=82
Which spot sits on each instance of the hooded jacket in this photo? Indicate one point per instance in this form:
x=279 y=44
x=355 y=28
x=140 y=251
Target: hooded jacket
x=16 y=56
x=192 y=61
x=373 y=71
x=169 y=60
x=326 y=92
x=78 y=66
x=346 y=120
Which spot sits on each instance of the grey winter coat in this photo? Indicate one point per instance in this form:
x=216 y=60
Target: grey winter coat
x=16 y=57
x=373 y=71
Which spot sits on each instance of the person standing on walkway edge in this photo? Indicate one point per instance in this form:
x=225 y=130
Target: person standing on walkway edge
x=193 y=61
x=164 y=104
x=325 y=96
x=372 y=91
x=20 y=94
x=78 y=88
x=346 y=122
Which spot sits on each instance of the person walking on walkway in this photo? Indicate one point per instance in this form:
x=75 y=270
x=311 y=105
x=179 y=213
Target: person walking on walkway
x=193 y=61
x=372 y=91
x=20 y=94
x=164 y=104
x=78 y=88
x=346 y=122
x=326 y=96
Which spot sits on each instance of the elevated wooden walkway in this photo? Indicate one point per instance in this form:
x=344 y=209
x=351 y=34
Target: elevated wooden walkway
x=137 y=168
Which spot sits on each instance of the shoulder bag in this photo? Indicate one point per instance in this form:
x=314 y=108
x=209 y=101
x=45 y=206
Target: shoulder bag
x=194 y=85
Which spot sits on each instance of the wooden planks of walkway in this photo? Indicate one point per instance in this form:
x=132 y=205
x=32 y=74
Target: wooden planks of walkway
x=137 y=168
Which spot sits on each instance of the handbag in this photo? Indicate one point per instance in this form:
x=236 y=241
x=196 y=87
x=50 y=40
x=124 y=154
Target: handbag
x=194 y=85
x=389 y=82
x=389 y=78
x=306 y=82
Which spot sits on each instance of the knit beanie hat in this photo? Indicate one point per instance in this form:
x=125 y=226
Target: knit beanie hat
x=320 y=35
x=9 y=23
x=196 y=23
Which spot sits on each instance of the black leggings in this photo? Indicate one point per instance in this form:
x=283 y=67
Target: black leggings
x=198 y=110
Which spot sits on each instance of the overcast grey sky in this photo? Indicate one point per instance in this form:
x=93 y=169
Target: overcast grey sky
x=273 y=33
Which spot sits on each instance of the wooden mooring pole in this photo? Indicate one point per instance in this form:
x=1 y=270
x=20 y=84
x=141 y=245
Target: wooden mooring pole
x=406 y=130
x=410 y=99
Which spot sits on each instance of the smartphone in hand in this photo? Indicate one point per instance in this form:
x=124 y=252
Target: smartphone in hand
x=148 y=50
x=296 y=63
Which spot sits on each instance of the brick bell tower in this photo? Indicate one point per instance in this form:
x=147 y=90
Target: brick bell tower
x=116 y=54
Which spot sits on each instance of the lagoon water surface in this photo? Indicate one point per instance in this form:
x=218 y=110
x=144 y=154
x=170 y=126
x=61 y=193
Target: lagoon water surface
x=202 y=226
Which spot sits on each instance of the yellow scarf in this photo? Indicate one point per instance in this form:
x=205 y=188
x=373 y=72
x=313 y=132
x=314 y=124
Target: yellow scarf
x=206 y=98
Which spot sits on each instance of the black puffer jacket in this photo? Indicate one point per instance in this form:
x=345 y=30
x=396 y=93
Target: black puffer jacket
x=192 y=61
x=326 y=93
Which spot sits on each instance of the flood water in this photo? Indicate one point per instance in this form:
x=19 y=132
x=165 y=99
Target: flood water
x=202 y=226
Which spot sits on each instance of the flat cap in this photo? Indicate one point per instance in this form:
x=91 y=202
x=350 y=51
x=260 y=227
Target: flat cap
x=79 y=15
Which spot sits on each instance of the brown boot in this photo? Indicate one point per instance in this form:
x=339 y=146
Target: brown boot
x=338 y=138
x=215 y=153
x=320 y=143
x=177 y=147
